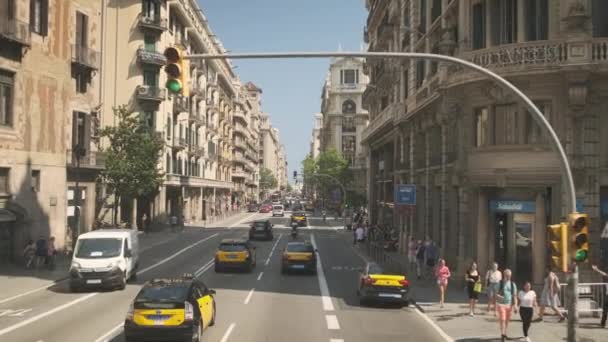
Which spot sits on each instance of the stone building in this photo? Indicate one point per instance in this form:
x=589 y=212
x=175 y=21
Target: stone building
x=272 y=154
x=487 y=180
x=343 y=115
x=49 y=102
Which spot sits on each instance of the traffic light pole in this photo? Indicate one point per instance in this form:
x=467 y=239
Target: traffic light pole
x=572 y=302
x=537 y=115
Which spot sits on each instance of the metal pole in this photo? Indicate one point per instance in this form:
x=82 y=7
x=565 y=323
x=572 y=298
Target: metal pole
x=572 y=302
x=76 y=230
x=535 y=112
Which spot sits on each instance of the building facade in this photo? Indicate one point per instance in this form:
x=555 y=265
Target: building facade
x=487 y=179
x=343 y=115
x=272 y=153
x=49 y=99
x=315 y=141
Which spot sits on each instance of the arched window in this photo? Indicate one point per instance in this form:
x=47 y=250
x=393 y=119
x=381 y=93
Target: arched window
x=349 y=107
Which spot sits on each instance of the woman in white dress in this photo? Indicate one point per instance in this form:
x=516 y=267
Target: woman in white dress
x=550 y=295
x=493 y=278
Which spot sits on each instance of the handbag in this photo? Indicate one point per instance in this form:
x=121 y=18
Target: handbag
x=477 y=287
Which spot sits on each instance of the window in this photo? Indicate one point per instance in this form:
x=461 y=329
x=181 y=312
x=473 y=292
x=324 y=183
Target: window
x=479 y=26
x=349 y=107
x=151 y=77
x=599 y=8
x=149 y=42
x=504 y=21
x=435 y=10
x=537 y=19
x=481 y=127
x=82 y=21
x=506 y=125
x=168 y=161
x=169 y=128
x=39 y=16
x=81 y=123
x=422 y=25
x=348 y=124
x=534 y=133
x=7 y=81
x=349 y=76
x=4 y=185
x=11 y=10
x=420 y=73
x=151 y=9
x=81 y=80
x=35 y=178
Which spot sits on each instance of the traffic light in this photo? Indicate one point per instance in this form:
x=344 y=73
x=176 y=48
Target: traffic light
x=559 y=245
x=295 y=174
x=579 y=235
x=178 y=72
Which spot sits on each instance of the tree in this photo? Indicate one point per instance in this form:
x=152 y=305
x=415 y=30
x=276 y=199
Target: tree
x=331 y=163
x=267 y=179
x=132 y=169
x=289 y=188
x=310 y=168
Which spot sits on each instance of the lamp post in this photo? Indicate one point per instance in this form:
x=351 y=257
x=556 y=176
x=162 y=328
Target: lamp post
x=78 y=152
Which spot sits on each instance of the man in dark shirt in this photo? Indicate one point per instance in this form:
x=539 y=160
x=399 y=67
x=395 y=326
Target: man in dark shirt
x=605 y=305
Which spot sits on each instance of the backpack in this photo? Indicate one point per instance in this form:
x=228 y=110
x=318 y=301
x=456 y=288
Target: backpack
x=501 y=291
x=420 y=253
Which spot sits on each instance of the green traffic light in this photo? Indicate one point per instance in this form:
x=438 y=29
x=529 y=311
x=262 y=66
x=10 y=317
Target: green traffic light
x=581 y=255
x=174 y=86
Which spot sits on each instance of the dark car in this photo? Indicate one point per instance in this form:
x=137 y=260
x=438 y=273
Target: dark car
x=252 y=208
x=299 y=256
x=376 y=284
x=169 y=310
x=261 y=229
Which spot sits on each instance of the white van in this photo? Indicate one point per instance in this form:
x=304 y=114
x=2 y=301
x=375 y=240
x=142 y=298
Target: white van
x=278 y=210
x=104 y=258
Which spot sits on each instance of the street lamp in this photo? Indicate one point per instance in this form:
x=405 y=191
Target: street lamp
x=78 y=152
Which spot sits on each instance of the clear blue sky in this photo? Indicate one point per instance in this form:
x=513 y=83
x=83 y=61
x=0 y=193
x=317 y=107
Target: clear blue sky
x=292 y=88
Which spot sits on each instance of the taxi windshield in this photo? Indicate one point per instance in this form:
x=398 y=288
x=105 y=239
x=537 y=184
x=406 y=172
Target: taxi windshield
x=98 y=248
x=232 y=247
x=299 y=248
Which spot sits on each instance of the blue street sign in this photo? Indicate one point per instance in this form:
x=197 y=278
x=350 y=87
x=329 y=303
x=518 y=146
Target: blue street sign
x=405 y=194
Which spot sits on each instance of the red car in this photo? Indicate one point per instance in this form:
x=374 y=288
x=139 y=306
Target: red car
x=266 y=209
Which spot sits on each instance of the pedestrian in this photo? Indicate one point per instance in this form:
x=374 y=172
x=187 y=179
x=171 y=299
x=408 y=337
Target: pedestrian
x=419 y=258
x=41 y=251
x=550 y=295
x=173 y=222
x=29 y=253
x=473 y=284
x=430 y=256
x=493 y=278
x=144 y=222
x=527 y=303
x=359 y=235
x=605 y=304
x=506 y=299
x=51 y=252
x=411 y=253
x=442 y=272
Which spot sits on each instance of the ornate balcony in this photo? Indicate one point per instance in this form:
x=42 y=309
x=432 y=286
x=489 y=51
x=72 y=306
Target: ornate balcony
x=91 y=160
x=86 y=58
x=382 y=120
x=151 y=57
x=15 y=31
x=154 y=24
x=179 y=143
x=150 y=93
x=240 y=145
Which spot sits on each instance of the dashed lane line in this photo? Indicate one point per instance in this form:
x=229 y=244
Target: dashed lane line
x=110 y=335
x=332 y=322
x=228 y=332
x=328 y=305
x=272 y=250
x=203 y=269
x=260 y=275
x=249 y=296
x=336 y=340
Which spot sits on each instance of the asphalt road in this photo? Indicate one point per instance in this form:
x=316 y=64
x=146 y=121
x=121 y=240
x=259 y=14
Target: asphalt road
x=263 y=305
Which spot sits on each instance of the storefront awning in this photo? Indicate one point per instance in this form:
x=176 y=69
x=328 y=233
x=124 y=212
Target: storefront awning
x=7 y=216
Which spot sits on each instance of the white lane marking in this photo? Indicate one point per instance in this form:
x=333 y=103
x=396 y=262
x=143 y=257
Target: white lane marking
x=83 y=298
x=336 y=340
x=228 y=332
x=31 y=291
x=111 y=334
x=260 y=275
x=272 y=250
x=14 y=313
x=249 y=296
x=435 y=326
x=45 y=314
x=241 y=221
x=332 y=322
x=177 y=254
x=328 y=305
x=204 y=268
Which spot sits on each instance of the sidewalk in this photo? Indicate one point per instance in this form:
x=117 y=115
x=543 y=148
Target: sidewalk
x=454 y=320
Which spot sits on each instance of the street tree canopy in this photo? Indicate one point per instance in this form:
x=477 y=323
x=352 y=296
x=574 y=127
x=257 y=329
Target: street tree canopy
x=267 y=179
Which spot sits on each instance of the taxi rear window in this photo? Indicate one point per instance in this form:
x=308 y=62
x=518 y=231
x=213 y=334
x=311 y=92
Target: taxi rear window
x=161 y=297
x=299 y=248
x=232 y=247
x=260 y=225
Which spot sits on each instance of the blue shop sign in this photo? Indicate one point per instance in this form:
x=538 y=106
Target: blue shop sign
x=405 y=194
x=513 y=206
x=580 y=208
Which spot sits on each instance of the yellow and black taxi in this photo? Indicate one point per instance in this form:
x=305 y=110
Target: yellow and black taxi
x=375 y=284
x=235 y=253
x=299 y=256
x=299 y=217
x=261 y=230
x=177 y=309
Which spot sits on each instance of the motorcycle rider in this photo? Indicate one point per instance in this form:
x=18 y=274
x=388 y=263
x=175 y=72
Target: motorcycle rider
x=294 y=229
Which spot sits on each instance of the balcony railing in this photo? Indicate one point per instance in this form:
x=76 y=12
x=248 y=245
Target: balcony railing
x=152 y=23
x=180 y=104
x=599 y=50
x=239 y=115
x=92 y=160
x=83 y=56
x=151 y=57
x=150 y=93
x=15 y=30
x=385 y=117
x=240 y=129
x=198 y=90
x=240 y=144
